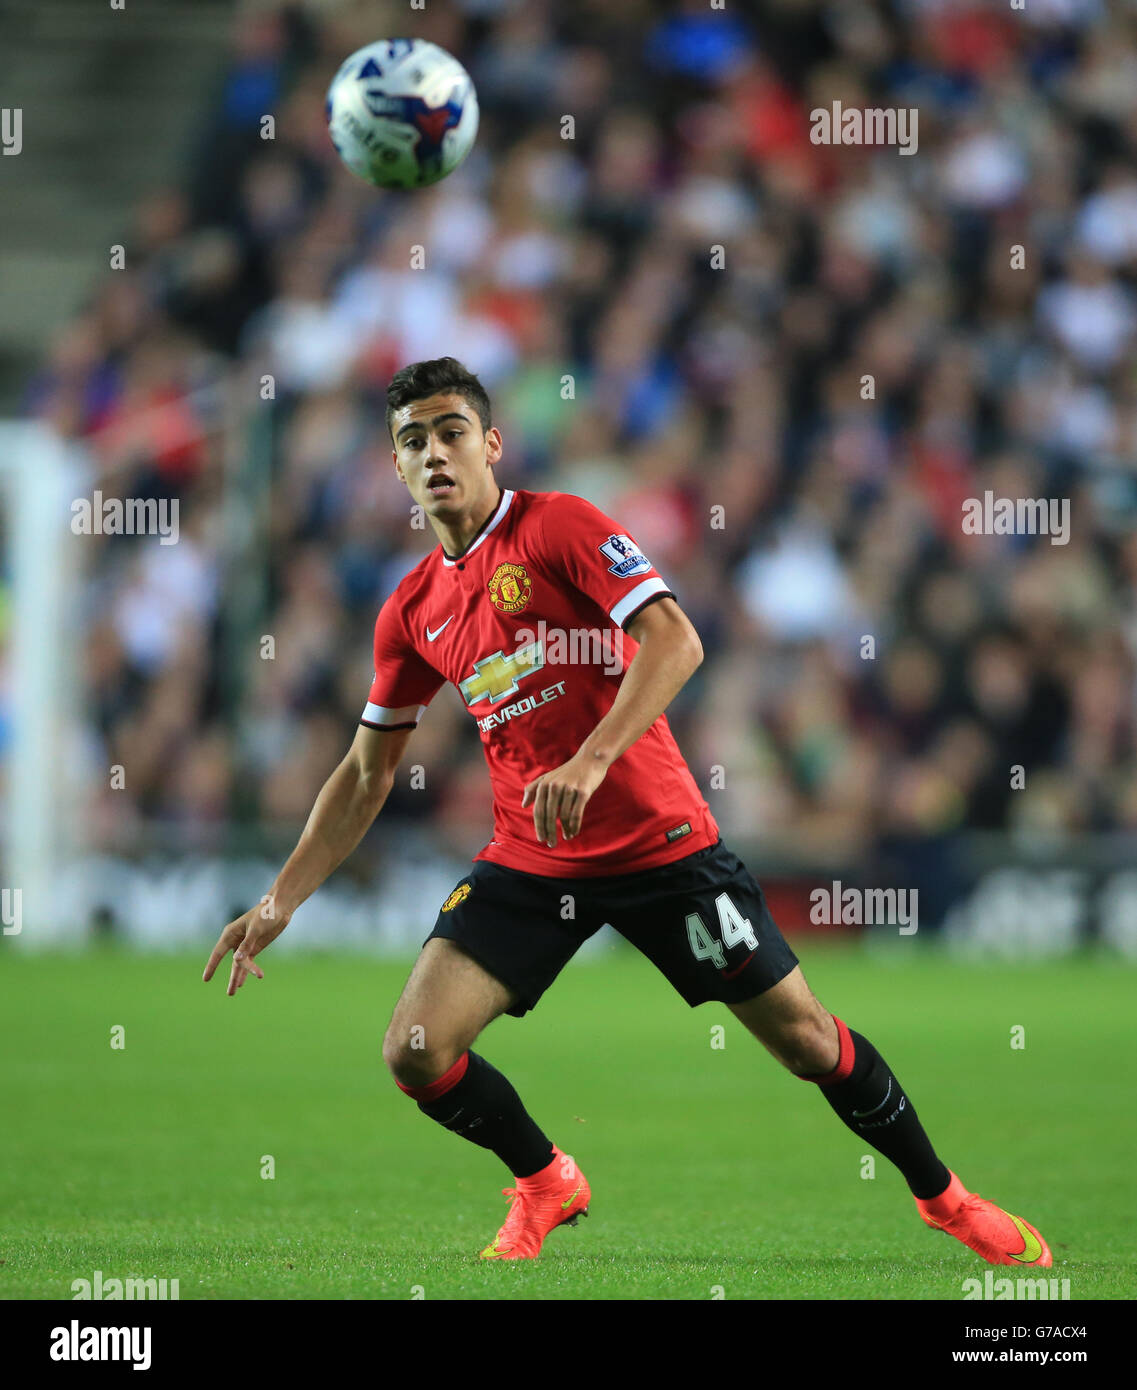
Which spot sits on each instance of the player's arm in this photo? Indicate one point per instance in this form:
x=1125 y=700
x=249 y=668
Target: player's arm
x=669 y=652
x=349 y=801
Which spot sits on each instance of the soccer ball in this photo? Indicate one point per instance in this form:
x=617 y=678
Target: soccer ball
x=402 y=113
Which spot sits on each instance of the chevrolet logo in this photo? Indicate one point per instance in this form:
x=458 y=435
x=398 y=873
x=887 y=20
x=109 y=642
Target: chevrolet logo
x=497 y=676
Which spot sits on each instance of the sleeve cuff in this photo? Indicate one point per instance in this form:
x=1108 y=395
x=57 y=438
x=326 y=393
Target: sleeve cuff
x=382 y=717
x=640 y=597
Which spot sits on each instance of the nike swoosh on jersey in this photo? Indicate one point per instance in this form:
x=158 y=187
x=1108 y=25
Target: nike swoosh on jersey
x=430 y=636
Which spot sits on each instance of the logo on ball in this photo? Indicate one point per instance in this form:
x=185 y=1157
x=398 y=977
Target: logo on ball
x=402 y=113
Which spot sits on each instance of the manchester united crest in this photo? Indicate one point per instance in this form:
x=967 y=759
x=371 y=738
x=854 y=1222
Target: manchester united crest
x=510 y=588
x=459 y=895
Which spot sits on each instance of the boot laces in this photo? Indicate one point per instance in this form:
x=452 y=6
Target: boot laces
x=515 y=1221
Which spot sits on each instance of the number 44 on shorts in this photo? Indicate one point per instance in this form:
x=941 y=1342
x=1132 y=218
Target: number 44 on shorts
x=733 y=926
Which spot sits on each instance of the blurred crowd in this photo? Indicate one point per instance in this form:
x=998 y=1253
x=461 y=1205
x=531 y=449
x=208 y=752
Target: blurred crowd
x=788 y=424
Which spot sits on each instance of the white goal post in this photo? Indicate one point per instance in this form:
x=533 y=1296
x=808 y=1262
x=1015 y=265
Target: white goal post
x=37 y=484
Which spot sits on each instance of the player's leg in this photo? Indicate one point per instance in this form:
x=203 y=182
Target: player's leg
x=721 y=943
x=854 y=1078
x=447 y=1001
x=704 y=922
x=865 y=1093
x=793 y=1025
x=498 y=943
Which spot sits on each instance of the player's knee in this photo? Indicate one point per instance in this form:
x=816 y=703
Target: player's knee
x=808 y=1047
x=414 y=1061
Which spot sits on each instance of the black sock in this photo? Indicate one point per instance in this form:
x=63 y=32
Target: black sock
x=868 y=1097
x=483 y=1107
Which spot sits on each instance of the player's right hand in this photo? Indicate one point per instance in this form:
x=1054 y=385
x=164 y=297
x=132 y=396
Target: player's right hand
x=248 y=935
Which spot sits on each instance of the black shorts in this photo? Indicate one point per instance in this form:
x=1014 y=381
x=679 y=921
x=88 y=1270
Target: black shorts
x=702 y=920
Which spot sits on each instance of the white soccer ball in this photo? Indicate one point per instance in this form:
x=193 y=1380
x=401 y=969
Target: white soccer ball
x=402 y=113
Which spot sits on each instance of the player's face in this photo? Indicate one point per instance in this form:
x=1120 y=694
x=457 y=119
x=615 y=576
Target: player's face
x=443 y=456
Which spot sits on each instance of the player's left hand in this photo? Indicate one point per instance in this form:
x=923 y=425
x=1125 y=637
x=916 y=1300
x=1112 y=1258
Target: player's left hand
x=562 y=794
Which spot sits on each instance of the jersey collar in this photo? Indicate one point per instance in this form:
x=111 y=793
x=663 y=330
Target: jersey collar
x=487 y=526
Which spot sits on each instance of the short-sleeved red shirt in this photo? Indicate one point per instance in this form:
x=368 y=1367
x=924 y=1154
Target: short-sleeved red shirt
x=528 y=625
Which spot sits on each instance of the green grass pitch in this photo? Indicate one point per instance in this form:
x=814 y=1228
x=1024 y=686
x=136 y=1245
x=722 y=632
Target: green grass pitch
x=711 y=1168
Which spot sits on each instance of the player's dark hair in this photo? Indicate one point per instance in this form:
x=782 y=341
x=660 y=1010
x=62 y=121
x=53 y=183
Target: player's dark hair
x=445 y=375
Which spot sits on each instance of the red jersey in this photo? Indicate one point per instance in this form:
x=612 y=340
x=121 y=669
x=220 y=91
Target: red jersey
x=528 y=624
